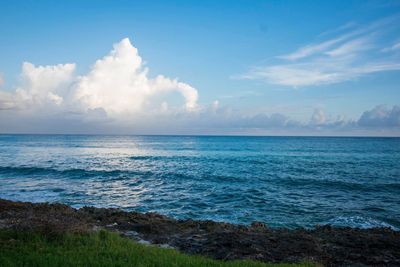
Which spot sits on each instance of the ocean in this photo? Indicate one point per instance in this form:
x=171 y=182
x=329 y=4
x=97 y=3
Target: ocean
x=282 y=181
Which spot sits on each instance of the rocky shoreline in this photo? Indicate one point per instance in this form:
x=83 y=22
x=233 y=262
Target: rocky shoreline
x=326 y=245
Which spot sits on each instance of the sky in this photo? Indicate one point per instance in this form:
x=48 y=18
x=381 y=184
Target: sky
x=200 y=67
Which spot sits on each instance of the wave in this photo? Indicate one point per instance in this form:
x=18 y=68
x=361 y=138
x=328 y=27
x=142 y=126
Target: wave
x=164 y=157
x=147 y=157
x=336 y=184
x=359 y=222
x=70 y=173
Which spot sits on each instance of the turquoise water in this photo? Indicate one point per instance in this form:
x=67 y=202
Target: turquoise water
x=282 y=181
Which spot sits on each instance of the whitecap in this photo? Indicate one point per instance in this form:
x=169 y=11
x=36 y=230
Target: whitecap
x=359 y=222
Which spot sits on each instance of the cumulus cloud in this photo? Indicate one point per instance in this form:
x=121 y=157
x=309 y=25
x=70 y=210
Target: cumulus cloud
x=6 y=101
x=118 y=85
x=43 y=85
x=351 y=54
x=318 y=117
x=40 y=86
x=117 y=96
x=381 y=116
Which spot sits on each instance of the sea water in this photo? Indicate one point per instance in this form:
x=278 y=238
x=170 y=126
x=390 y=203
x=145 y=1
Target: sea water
x=281 y=181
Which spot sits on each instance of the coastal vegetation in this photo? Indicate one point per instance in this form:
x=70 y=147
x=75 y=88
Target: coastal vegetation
x=45 y=234
x=103 y=248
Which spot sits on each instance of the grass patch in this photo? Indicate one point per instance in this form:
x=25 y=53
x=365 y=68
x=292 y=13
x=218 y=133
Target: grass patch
x=98 y=249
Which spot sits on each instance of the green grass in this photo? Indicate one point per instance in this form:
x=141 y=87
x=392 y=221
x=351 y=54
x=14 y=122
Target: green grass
x=99 y=249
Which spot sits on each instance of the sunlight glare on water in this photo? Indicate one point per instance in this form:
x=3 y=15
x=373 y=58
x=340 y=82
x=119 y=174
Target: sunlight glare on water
x=282 y=181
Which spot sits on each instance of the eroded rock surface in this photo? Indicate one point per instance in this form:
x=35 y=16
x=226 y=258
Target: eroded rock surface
x=330 y=246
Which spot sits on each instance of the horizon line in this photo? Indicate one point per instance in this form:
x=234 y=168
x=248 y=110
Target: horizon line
x=207 y=135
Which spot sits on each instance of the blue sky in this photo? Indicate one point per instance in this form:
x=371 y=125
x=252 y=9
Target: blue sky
x=318 y=64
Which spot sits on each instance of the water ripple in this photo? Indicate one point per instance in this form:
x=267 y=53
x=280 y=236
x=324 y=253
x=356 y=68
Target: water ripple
x=282 y=181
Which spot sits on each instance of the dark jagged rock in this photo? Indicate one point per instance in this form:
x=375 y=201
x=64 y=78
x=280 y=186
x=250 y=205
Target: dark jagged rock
x=330 y=246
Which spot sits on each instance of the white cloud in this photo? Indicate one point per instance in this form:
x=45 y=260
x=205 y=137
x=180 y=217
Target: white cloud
x=318 y=117
x=312 y=49
x=40 y=87
x=118 y=96
x=394 y=47
x=346 y=57
x=316 y=48
x=381 y=116
x=7 y=101
x=297 y=75
x=43 y=84
x=118 y=84
x=214 y=106
x=351 y=47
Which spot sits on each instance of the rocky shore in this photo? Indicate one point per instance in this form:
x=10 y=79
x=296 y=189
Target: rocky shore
x=326 y=245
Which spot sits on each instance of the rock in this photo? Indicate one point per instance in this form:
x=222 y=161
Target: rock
x=258 y=226
x=327 y=245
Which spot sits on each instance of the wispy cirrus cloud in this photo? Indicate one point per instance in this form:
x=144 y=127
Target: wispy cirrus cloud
x=393 y=47
x=117 y=96
x=353 y=52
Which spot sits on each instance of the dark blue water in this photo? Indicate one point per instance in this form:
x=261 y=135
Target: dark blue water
x=282 y=181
